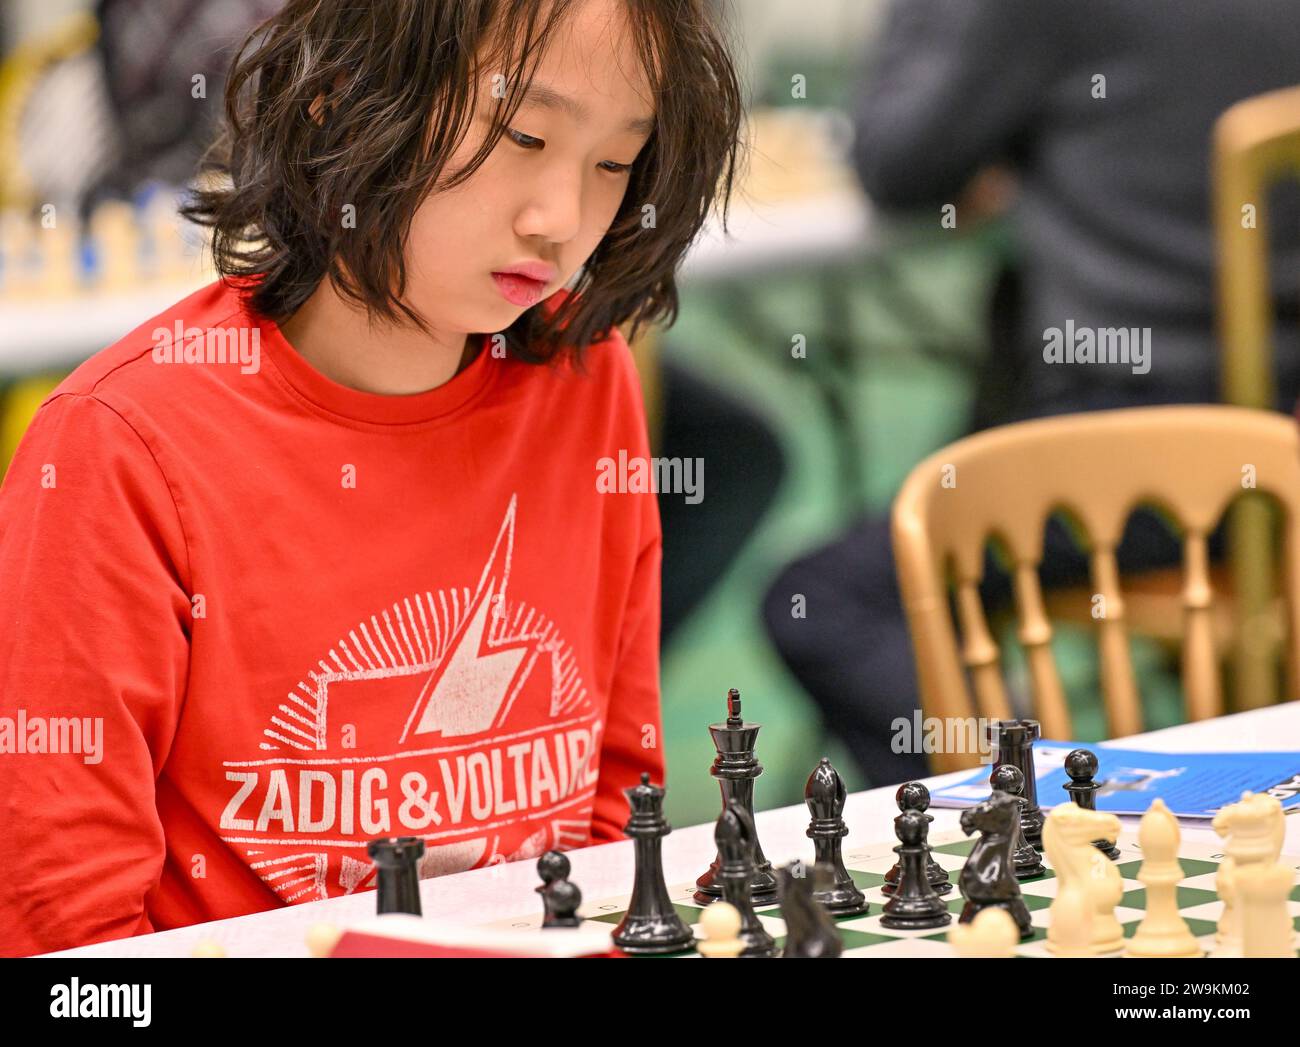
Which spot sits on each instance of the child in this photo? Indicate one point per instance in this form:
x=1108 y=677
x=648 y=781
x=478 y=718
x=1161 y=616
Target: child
x=318 y=555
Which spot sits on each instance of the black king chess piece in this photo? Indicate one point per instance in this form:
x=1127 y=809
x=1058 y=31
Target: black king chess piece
x=914 y=796
x=1081 y=766
x=810 y=932
x=914 y=904
x=397 y=860
x=825 y=796
x=735 y=768
x=1013 y=743
x=560 y=898
x=651 y=925
x=1023 y=856
x=734 y=835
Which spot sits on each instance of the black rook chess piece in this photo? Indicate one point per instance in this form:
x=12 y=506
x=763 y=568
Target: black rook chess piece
x=1009 y=780
x=914 y=796
x=651 y=925
x=810 y=933
x=825 y=796
x=397 y=860
x=560 y=898
x=1081 y=766
x=735 y=768
x=1013 y=743
x=734 y=835
x=914 y=904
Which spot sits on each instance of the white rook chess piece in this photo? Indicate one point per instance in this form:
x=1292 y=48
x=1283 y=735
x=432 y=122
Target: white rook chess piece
x=993 y=933
x=1163 y=932
x=1254 y=829
x=1266 y=928
x=721 y=926
x=1090 y=885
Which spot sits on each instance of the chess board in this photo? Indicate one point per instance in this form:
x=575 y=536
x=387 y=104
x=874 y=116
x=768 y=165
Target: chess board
x=863 y=936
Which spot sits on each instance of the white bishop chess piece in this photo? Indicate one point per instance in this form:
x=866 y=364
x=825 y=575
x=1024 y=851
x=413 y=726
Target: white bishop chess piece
x=1253 y=828
x=1163 y=933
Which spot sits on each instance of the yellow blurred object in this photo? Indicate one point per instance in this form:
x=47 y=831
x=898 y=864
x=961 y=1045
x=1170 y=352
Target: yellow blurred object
x=321 y=939
x=17 y=410
x=208 y=950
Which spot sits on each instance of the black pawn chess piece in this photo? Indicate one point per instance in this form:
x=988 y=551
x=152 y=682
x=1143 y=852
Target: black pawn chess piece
x=734 y=835
x=397 y=860
x=1013 y=743
x=914 y=796
x=825 y=796
x=988 y=877
x=1081 y=766
x=810 y=932
x=914 y=904
x=736 y=767
x=651 y=926
x=1027 y=864
x=560 y=898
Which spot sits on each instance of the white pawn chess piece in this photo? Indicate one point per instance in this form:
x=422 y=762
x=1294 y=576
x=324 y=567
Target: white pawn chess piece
x=1253 y=828
x=321 y=939
x=721 y=926
x=1163 y=933
x=1266 y=928
x=992 y=934
x=1089 y=884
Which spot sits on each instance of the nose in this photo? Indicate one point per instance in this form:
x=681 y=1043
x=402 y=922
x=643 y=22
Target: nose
x=553 y=205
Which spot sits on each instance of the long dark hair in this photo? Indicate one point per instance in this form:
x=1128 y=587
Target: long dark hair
x=399 y=80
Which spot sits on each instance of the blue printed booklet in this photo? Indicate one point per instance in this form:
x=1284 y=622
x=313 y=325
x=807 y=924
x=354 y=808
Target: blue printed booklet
x=1193 y=785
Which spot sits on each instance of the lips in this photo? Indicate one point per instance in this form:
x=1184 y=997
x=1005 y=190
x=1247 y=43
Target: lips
x=519 y=290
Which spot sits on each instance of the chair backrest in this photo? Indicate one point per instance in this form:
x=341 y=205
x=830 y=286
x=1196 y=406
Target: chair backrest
x=1004 y=483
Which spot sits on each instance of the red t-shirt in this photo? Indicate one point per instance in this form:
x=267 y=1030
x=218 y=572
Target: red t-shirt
x=253 y=619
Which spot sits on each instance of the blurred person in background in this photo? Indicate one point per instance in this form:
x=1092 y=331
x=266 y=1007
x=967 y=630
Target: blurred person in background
x=1103 y=113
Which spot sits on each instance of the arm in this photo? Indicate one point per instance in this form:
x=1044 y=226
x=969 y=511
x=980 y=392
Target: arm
x=951 y=86
x=95 y=646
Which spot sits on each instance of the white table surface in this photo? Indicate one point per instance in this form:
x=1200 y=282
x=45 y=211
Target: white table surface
x=486 y=895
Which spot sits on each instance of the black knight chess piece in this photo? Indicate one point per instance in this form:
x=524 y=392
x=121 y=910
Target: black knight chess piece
x=1081 y=766
x=560 y=898
x=914 y=904
x=825 y=796
x=989 y=877
x=1013 y=743
x=734 y=835
x=735 y=768
x=651 y=926
x=810 y=932
x=1027 y=863
x=397 y=860
x=914 y=796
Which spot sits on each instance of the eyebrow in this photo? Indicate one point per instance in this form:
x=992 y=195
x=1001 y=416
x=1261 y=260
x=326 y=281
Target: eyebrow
x=549 y=98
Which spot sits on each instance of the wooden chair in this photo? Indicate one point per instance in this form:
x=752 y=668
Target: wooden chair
x=1256 y=145
x=1004 y=483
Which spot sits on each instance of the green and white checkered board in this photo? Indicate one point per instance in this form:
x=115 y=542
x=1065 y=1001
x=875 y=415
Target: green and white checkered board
x=863 y=936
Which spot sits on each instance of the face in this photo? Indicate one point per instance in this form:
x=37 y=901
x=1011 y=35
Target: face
x=549 y=190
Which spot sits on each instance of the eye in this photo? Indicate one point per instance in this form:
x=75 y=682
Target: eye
x=522 y=140
x=613 y=168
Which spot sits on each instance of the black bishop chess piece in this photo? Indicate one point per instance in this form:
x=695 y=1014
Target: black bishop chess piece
x=914 y=905
x=914 y=796
x=734 y=835
x=651 y=926
x=1081 y=766
x=735 y=768
x=397 y=861
x=989 y=878
x=1028 y=865
x=1013 y=743
x=810 y=932
x=560 y=898
x=825 y=796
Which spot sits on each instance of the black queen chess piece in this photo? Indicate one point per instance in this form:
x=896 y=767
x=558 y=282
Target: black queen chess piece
x=1013 y=742
x=734 y=835
x=397 y=861
x=914 y=905
x=735 y=768
x=1027 y=863
x=651 y=926
x=1081 y=767
x=560 y=898
x=914 y=796
x=825 y=796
